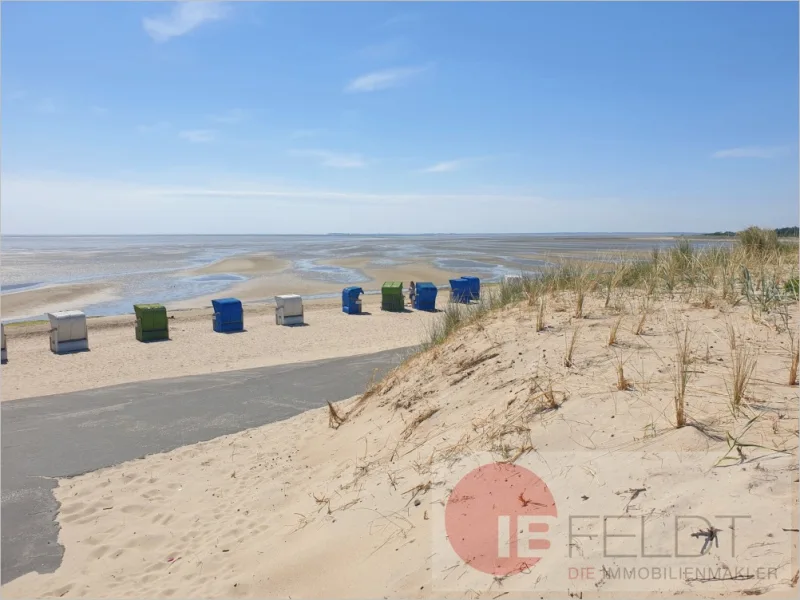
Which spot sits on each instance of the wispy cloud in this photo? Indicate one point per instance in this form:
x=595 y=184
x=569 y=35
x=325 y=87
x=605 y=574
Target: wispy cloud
x=100 y=111
x=16 y=95
x=160 y=126
x=198 y=136
x=231 y=117
x=453 y=165
x=382 y=80
x=751 y=152
x=183 y=18
x=336 y=160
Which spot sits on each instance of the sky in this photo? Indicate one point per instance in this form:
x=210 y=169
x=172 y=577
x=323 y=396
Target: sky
x=241 y=118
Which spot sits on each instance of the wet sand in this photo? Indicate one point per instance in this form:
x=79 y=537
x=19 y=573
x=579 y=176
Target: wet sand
x=405 y=272
x=254 y=264
x=54 y=298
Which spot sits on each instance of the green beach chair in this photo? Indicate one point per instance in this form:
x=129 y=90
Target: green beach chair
x=392 y=296
x=151 y=322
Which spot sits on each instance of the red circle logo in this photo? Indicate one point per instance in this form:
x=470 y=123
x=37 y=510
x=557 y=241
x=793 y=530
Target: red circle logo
x=497 y=517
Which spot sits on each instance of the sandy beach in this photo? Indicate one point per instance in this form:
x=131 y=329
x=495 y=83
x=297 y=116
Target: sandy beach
x=116 y=356
x=359 y=499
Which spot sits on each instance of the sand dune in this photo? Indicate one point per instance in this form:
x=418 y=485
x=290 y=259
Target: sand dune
x=116 y=356
x=304 y=510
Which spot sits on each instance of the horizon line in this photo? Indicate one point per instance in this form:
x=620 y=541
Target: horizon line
x=332 y=234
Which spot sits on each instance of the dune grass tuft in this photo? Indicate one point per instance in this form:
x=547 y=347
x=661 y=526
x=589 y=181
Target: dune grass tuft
x=612 y=334
x=681 y=372
x=570 y=348
x=743 y=364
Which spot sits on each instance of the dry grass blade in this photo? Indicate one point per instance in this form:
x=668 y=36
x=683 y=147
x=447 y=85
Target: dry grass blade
x=524 y=449
x=580 y=297
x=639 y=329
x=540 y=314
x=794 y=363
x=418 y=420
x=731 y=335
x=475 y=361
x=334 y=418
x=622 y=382
x=612 y=335
x=743 y=365
x=570 y=348
x=681 y=372
x=550 y=396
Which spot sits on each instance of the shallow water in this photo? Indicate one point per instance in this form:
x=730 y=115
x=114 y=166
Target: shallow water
x=154 y=268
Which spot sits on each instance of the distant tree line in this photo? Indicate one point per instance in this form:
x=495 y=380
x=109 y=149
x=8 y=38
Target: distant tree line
x=781 y=232
x=788 y=231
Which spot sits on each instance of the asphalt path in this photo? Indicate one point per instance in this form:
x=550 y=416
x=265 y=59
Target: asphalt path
x=64 y=435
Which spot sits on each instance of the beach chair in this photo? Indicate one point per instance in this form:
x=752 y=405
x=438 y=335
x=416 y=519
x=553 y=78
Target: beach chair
x=68 y=332
x=289 y=310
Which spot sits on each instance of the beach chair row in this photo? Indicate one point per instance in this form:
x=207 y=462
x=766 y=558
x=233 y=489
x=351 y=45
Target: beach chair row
x=69 y=331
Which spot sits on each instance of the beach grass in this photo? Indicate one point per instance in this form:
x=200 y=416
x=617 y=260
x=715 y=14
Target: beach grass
x=26 y=323
x=758 y=267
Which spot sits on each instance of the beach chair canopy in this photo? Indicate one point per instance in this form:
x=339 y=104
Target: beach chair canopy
x=69 y=324
x=351 y=302
x=426 y=296
x=228 y=309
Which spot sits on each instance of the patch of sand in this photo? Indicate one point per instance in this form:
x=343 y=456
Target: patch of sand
x=265 y=288
x=17 y=305
x=255 y=264
x=405 y=272
x=116 y=356
x=300 y=509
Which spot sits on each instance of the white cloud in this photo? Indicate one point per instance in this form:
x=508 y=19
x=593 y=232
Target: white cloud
x=444 y=167
x=382 y=80
x=197 y=136
x=750 y=152
x=333 y=159
x=53 y=204
x=49 y=203
x=453 y=165
x=100 y=111
x=231 y=117
x=182 y=19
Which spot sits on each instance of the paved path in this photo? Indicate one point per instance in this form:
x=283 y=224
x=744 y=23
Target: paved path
x=70 y=434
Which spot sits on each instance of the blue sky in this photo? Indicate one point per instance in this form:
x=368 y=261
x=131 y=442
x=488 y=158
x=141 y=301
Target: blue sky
x=398 y=118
